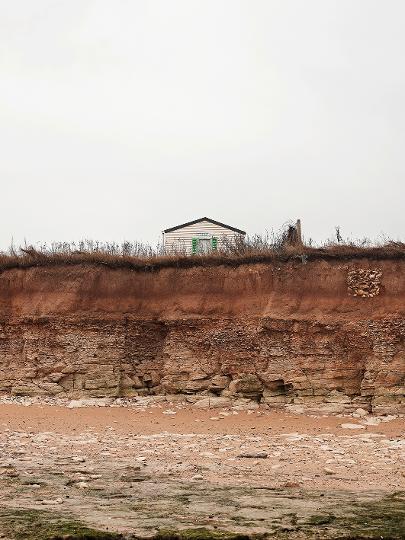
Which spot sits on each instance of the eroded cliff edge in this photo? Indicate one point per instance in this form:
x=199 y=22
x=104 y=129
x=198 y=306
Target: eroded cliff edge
x=325 y=332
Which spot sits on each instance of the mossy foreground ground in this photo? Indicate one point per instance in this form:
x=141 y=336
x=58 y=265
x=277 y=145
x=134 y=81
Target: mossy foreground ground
x=185 y=474
x=380 y=519
x=21 y=524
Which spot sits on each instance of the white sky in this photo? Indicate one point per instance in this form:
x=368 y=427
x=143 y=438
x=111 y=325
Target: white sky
x=119 y=118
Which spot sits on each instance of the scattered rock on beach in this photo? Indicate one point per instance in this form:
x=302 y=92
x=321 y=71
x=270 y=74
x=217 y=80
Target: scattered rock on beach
x=352 y=426
x=253 y=455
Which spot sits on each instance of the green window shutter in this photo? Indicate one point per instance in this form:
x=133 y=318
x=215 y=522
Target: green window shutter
x=214 y=243
x=194 y=243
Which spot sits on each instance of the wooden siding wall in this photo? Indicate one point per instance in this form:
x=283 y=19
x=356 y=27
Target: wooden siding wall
x=181 y=239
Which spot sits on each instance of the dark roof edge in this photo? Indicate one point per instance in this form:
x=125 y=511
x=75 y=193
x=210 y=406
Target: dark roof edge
x=234 y=229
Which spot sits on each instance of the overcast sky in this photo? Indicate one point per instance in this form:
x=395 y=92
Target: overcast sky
x=119 y=118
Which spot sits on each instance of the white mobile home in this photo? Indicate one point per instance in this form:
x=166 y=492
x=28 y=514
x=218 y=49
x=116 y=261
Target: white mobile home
x=199 y=236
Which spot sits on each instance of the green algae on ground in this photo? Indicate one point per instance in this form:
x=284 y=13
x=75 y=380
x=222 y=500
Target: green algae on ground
x=321 y=519
x=24 y=524
x=367 y=517
x=380 y=519
x=199 y=534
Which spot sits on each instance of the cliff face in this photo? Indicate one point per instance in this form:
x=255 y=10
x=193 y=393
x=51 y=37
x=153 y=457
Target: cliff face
x=287 y=333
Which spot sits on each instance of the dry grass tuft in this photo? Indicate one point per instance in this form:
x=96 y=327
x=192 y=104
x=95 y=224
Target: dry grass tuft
x=144 y=258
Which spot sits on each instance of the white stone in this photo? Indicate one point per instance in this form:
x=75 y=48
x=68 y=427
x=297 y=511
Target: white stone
x=352 y=426
x=372 y=421
x=82 y=485
x=212 y=403
x=360 y=412
x=89 y=402
x=245 y=405
x=78 y=459
x=295 y=409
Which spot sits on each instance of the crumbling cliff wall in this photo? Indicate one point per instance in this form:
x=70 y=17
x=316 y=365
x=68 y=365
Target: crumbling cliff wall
x=330 y=333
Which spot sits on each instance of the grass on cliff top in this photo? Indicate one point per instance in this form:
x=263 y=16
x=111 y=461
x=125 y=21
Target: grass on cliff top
x=267 y=248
